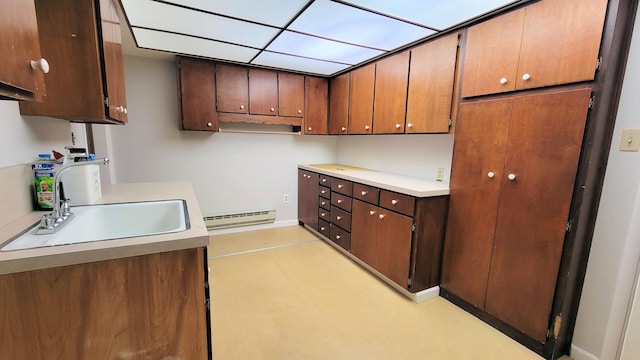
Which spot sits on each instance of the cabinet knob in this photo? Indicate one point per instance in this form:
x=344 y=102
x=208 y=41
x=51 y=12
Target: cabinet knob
x=409 y=125
x=340 y=186
x=503 y=81
x=324 y=203
x=322 y=228
x=42 y=65
x=323 y=214
x=491 y=174
x=309 y=128
x=124 y=110
x=338 y=237
x=366 y=127
x=272 y=109
x=299 y=111
x=398 y=126
x=338 y=218
x=324 y=180
x=339 y=201
x=241 y=106
x=323 y=192
x=381 y=216
x=371 y=212
x=511 y=177
x=210 y=125
x=363 y=193
x=394 y=201
x=343 y=128
x=526 y=77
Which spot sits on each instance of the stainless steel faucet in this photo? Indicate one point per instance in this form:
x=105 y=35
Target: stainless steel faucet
x=61 y=213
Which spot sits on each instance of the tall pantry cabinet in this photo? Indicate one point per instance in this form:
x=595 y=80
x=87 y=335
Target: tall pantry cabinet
x=514 y=167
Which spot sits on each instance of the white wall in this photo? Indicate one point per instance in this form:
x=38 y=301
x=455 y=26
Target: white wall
x=616 y=243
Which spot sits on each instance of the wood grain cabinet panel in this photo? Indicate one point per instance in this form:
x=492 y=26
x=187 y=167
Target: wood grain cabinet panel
x=316 y=106
x=339 y=104
x=549 y=42
x=232 y=89
x=390 y=102
x=197 y=91
x=263 y=92
x=19 y=45
x=308 y=198
x=514 y=169
x=82 y=43
x=361 y=100
x=291 y=95
x=431 y=79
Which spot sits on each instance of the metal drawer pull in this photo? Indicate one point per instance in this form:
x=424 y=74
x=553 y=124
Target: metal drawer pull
x=371 y=212
x=363 y=193
x=323 y=214
x=324 y=180
x=322 y=228
x=339 y=201
x=324 y=203
x=340 y=186
x=381 y=216
x=338 y=218
x=337 y=237
x=393 y=202
x=323 y=191
x=491 y=174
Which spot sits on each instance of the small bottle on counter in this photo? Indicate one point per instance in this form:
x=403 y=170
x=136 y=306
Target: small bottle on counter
x=44 y=170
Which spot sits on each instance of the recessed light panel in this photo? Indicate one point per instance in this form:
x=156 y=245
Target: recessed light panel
x=155 y=15
x=277 y=13
x=295 y=63
x=437 y=14
x=181 y=44
x=317 y=48
x=345 y=23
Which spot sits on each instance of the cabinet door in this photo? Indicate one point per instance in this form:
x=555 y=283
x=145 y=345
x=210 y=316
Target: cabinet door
x=560 y=42
x=491 y=55
x=392 y=76
x=316 y=115
x=364 y=221
x=339 y=104
x=263 y=92
x=291 y=95
x=479 y=150
x=308 y=198
x=232 y=89
x=19 y=45
x=431 y=76
x=113 y=65
x=197 y=94
x=542 y=153
x=393 y=246
x=361 y=100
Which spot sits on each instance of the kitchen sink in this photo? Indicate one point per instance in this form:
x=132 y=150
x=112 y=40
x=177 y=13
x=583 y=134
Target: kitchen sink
x=110 y=221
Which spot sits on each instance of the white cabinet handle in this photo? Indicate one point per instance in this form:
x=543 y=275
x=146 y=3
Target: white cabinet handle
x=340 y=186
x=323 y=214
x=409 y=125
x=398 y=126
x=526 y=77
x=124 y=110
x=381 y=216
x=42 y=65
x=299 y=111
x=324 y=203
x=324 y=180
x=366 y=127
x=338 y=218
x=512 y=177
x=363 y=193
x=393 y=202
x=337 y=237
x=304 y=175
x=503 y=81
x=322 y=228
x=343 y=128
x=339 y=201
x=491 y=174
x=309 y=128
x=371 y=212
x=210 y=125
x=241 y=106
x=272 y=109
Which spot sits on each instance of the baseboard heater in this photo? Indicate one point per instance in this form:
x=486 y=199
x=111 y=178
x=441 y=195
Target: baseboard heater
x=222 y=221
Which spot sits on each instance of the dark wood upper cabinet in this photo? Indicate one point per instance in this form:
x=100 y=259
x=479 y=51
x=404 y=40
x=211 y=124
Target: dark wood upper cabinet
x=232 y=89
x=431 y=79
x=263 y=92
x=82 y=42
x=339 y=104
x=19 y=45
x=316 y=116
x=547 y=43
x=291 y=95
x=197 y=90
x=361 y=100
x=390 y=104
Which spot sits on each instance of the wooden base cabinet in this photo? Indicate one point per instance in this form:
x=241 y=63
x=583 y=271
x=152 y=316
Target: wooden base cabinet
x=308 y=198
x=514 y=167
x=144 y=307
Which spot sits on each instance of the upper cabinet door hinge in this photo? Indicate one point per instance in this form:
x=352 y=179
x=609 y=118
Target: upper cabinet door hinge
x=599 y=63
x=569 y=225
x=450 y=122
x=592 y=100
x=106 y=102
x=413 y=227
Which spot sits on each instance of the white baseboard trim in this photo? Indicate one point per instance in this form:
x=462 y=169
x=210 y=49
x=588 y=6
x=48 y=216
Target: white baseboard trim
x=580 y=354
x=234 y=230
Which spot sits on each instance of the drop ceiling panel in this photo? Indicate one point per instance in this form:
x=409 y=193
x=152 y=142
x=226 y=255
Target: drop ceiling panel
x=155 y=15
x=295 y=63
x=345 y=23
x=182 y=44
x=438 y=14
x=276 y=13
x=322 y=49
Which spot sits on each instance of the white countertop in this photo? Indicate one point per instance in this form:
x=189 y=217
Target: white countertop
x=392 y=182
x=47 y=257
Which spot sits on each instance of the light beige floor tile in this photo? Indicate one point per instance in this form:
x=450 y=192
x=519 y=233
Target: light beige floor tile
x=309 y=301
x=259 y=239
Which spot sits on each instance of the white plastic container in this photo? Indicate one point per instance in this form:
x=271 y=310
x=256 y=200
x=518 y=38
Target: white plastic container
x=82 y=184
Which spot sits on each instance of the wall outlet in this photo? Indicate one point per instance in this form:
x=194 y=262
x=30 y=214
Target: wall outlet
x=285 y=198
x=440 y=174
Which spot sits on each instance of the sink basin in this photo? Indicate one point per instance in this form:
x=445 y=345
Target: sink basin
x=110 y=221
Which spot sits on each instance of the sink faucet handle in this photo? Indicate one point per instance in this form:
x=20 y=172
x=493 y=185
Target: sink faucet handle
x=46 y=222
x=66 y=209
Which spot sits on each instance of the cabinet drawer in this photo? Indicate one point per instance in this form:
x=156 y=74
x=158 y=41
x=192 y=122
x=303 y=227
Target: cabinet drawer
x=325 y=180
x=324 y=203
x=324 y=228
x=324 y=214
x=342 y=186
x=341 y=201
x=341 y=218
x=366 y=193
x=341 y=237
x=325 y=192
x=403 y=204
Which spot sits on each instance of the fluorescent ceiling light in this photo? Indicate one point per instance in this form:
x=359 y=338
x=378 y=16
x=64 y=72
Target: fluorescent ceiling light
x=345 y=23
x=295 y=63
x=181 y=44
x=317 y=48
